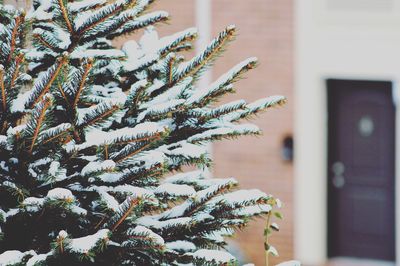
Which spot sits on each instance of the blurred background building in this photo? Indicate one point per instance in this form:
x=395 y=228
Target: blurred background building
x=338 y=63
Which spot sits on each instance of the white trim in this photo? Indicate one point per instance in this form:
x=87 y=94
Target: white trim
x=203 y=24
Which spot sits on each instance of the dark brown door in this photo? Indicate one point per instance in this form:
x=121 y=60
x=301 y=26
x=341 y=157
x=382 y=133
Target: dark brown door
x=361 y=165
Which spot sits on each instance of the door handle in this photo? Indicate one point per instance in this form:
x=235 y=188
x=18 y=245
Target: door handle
x=338 y=179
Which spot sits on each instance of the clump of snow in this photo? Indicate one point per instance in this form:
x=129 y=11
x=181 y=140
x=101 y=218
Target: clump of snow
x=33 y=204
x=36 y=259
x=97 y=137
x=87 y=243
x=3 y=140
x=152 y=222
x=60 y=194
x=202 y=216
x=178 y=210
x=150 y=158
x=186 y=175
x=136 y=192
x=186 y=150
x=240 y=197
x=157 y=84
x=253 y=210
x=132 y=49
x=15 y=130
x=18 y=105
x=3 y=165
x=57 y=172
x=12 y=212
x=100 y=93
x=93 y=167
x=62 y=234
x=11 y=257
x=175 y=190
x=214 y=255
x=109 y=200
x=140 y=63
x=141 y=230
x=94 y=53
x=78 y=210
x=149 y=41
x=110 y=177
x=42 y=12
x=181 y=245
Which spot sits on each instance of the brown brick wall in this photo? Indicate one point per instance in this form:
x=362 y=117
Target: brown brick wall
x=266 y=31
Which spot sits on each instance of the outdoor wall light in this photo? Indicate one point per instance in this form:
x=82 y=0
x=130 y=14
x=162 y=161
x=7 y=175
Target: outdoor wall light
x=287 y=149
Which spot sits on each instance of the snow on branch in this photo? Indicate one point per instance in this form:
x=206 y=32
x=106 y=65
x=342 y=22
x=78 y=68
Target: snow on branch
x=141 y=22
x=204 y=95
x=218 y=257
x=37 y=123
x=225 y=131
x=14 y=257
x=43 y=83
x=53 y=133
x=95 y=167
x=83 y=245
x=84 y=5
x=141 y=233
x=207 y=56
x=100 y=116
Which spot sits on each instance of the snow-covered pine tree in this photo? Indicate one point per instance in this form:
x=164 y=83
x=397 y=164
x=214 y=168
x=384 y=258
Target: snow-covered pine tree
x=92 y=137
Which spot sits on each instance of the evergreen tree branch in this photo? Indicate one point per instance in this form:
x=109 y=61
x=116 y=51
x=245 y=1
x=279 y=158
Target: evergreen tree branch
x=51 y=134
x=87 y=68
x=17 y=22
x=62 y=92
x=208 y=54
x=39 y=120
x=99 y=114
x=132 y=153
x=41 y=87
x=65 y=15
x=45 y=43
x=129 y=26
x=103 y=14
x=3 y=90
x=18 y=61
x=132 y=203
